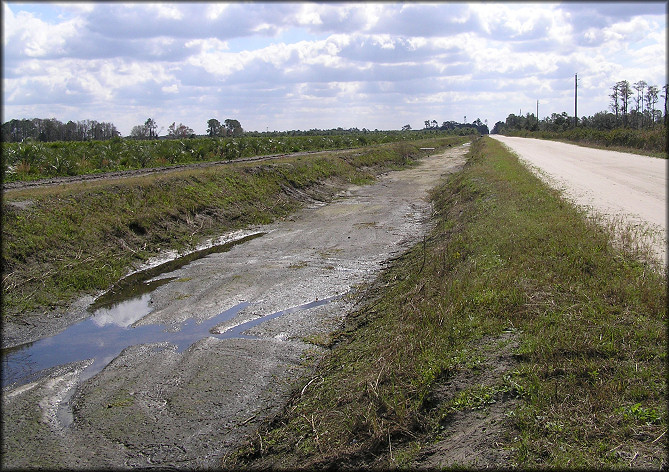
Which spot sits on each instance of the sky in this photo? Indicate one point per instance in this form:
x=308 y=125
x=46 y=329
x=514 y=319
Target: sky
x=303 y=65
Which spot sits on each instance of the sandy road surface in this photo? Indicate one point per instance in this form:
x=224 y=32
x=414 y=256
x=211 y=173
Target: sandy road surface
x=155 y=406
x=613 y=184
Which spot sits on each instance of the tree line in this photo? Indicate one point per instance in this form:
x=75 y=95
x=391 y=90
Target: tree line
x=50 y=129
x=630 y=106
x=477 y=125
x=642 y=112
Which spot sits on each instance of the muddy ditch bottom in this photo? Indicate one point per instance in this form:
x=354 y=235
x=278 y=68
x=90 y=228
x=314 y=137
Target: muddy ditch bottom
x=109 y=330
x=214 y=347
x=102 y=337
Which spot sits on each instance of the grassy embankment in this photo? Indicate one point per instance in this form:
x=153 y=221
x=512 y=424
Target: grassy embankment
x=68 y=240
x=651 y=142
x=509 y=263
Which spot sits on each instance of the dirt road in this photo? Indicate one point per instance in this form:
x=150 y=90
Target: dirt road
x=156 y=405
x=613 y=184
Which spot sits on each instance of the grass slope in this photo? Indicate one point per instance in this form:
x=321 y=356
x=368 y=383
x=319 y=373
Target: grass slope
x=507 y=260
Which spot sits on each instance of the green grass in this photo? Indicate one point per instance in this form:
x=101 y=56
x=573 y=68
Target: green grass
x=507 y=255
x=31 y=160
x=81 y=238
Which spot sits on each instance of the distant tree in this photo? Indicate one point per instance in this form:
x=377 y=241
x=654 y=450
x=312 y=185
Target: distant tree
x=652 y=94
x=556 y=122
x=51 y=129
x=17 y=130
x=181 y=131
x=233 y=127
x=602 y=121
x=139 y=131
x=70 y=131
x=665 y=87
x=406 y=128
x=214 y=127
x=145 y=131
x=97 y=130
x=514 y=122
x=640 y=86
x=151 y=127
x=434 y=124
x=498 y=127
x=643 y=113
x=625 y=93
x=483 y=128
x=615 y=100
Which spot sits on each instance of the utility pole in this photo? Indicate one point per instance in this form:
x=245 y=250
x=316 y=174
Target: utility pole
x=537 y=113
x=575 y=100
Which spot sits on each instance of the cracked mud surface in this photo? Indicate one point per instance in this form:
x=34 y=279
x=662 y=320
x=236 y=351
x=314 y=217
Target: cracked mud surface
x=153 y=406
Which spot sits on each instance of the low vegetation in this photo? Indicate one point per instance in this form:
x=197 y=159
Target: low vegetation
x=646 y=141
x=61 y=242
x=31 y=160
x=507 y=259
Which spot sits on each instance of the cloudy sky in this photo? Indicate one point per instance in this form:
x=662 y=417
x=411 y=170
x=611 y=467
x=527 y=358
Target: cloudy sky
x=299 y=65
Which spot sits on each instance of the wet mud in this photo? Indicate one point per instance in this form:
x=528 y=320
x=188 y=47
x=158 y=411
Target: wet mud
x=231 y=333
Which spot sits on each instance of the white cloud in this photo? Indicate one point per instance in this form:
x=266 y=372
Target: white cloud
x=166 y=10
x=170 y=89
x=215 y=10
x=297 y=64
x=28 y=36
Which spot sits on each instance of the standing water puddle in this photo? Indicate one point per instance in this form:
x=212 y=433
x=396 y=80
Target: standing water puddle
x=109 y=330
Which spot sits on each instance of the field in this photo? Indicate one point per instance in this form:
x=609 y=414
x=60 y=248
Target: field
x=32 y=160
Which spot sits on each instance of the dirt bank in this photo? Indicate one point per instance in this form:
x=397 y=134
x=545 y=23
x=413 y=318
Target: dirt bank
x=156 y=406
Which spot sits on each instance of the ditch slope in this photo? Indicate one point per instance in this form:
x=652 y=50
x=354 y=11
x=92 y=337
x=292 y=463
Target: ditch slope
x=153 y=406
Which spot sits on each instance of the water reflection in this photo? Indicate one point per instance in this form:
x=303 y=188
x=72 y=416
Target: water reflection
x=125 y=313
x=237 y=331
x=101 y=337
x=108 y=331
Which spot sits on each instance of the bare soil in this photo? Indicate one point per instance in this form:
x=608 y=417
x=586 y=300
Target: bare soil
x=474 y=437
x=153 y=406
